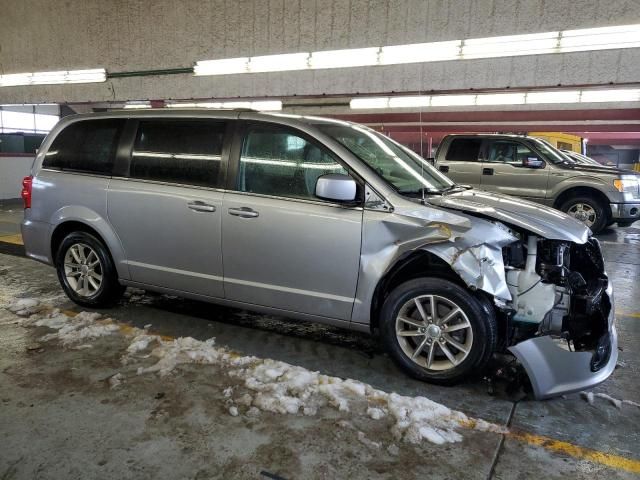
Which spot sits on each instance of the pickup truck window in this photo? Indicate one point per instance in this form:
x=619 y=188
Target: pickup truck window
x=464 y=149
x=406 y=171
x=505 y=151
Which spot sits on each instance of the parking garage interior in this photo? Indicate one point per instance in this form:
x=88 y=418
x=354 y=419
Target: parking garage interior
x=166 y=385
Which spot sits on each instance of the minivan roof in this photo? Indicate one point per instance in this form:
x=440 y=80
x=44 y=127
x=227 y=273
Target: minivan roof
x=284 y=118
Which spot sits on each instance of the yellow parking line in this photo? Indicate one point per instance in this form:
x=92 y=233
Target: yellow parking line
x=566 y=448
x=13 y=239
x=628 y=314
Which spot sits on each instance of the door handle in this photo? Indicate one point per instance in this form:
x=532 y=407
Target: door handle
x=444 y=168
x=487 y=171
x=244 y=212
x=199 y=206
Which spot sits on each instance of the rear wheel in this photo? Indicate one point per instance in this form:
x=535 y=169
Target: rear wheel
x=437 y=331
x=86 y=272
x=590 y=211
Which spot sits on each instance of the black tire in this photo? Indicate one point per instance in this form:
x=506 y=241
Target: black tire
x=602 y=215
x=109 y=291
x=482 y=321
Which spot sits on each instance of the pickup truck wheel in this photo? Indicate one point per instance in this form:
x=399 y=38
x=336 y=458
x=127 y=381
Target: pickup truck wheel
x=86 y=272
x=589 y=211
x=437 y=331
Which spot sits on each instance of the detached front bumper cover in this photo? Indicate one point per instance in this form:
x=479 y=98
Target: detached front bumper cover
x=555 y=371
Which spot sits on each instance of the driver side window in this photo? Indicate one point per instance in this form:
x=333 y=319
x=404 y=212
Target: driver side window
x=513 y=153
x=278 y=162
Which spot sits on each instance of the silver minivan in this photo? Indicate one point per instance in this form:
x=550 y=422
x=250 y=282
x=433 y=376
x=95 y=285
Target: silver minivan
x=325 y=221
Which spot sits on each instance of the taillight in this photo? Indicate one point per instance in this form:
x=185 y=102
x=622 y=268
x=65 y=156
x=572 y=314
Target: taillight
x=27 y=183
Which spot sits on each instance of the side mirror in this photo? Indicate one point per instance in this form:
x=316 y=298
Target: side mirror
x=532 y=162
x=336 y=187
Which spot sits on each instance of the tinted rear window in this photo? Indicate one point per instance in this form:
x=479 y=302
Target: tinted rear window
x=179 y=151
x=86 y=146
x=464 y=149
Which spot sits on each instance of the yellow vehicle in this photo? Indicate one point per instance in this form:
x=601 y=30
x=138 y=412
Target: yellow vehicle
x=562 y=141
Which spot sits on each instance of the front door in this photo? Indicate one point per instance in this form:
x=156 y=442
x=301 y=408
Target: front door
x=167 y=210
x=282 y=246
x=512 y=168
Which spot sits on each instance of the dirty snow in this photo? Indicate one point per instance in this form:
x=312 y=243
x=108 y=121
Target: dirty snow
x=24 y=306
x=590 y=397
x=279 y=387
x=69 y=329
x=273 y=386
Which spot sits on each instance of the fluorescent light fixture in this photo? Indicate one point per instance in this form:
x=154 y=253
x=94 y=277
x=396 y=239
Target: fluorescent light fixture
x=267 y=105
x=420 y=52
x=511 y=98
x=512 y=45
x=223 y=66
x=560 y=96
x=625 y=36
x=613 y=95
x=51 y=78
x=452 y=100
x=409 y=102
x=356 y=57
x=137 y=105
x=501 y=99
x=373 y=102
x=279 y=63
x=262 y=105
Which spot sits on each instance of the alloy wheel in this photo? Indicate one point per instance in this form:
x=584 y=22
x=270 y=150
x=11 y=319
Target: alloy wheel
x=434 y=332
x=583 y=212
x=83 y=270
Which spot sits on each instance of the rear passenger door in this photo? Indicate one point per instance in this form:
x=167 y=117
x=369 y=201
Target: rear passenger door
x=513 y=168
x=460 y=161
x=282 y=246
x=166 y=204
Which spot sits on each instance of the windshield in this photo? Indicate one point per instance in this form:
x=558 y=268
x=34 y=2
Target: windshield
x=552 y=153
x=405 y=170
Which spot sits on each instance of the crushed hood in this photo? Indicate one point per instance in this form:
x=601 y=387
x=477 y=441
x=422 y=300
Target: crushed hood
x=535 y=218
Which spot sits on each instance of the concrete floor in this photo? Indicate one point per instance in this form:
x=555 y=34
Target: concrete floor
x=59 y=418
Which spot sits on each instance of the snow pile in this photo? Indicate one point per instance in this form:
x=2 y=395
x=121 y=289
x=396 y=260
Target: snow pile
x=272 y=385
x=590 y=398
x=141 y=342
x=69 y=329
x=184 y=350
x=24 y=306
x=282 y=388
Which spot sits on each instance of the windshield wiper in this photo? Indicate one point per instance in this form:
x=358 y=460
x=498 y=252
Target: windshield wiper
x=436 y=191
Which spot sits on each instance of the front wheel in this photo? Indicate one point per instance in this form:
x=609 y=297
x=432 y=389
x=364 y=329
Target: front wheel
x=86 y=272
x=437 y=331
x=589 y=211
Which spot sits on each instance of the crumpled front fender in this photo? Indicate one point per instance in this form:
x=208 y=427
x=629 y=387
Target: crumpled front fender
x=472 y=246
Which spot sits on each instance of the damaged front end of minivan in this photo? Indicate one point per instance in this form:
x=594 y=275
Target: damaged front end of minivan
x=557 y=312
x=551 y=295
